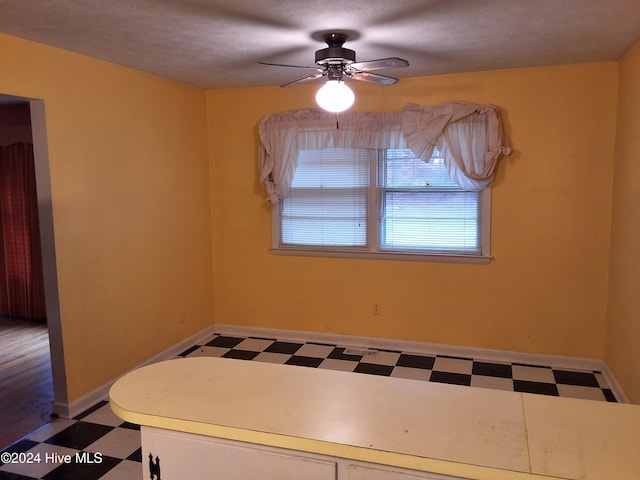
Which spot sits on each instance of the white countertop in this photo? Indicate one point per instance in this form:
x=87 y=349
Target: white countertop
x=470 y=432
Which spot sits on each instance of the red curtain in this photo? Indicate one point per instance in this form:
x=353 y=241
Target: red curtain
x=21 y=279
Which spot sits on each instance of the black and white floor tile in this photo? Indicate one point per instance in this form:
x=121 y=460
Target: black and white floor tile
x=94 y=445
x=99 y=445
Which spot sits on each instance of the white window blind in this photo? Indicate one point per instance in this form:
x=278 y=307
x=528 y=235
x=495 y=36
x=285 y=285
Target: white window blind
x=327 y=204
x=379 y=201
x=422 y=209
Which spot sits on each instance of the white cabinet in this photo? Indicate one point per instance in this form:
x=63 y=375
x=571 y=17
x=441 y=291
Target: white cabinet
x=195 y=457
x=371 y=472
x=170 y=455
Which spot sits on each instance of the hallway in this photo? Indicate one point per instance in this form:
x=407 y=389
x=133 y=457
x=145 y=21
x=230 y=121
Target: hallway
x=25 y=378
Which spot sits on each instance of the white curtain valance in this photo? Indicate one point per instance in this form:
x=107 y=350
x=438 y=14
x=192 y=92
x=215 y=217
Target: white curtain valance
x=469 y=136
x=283 y=135
x=422 y=129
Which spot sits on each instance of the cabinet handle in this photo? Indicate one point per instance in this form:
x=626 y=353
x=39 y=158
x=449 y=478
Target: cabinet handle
x=154 y=467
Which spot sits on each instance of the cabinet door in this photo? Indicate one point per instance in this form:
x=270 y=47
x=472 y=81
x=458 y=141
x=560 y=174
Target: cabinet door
x=186 y=456
x=365 y=472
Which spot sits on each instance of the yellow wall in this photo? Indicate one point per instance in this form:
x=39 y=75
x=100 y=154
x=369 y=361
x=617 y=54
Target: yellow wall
x=129 y=178
x=545 y=291
x=623 y=320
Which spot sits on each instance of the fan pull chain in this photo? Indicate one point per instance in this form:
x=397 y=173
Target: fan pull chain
x=337 y=121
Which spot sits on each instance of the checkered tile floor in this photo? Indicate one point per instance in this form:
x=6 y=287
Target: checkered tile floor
x=99 y=445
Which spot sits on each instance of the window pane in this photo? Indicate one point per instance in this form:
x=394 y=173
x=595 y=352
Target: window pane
x=332 y=167
x=332 y=217
x=327 y=205
x=440 y=221
x=421 y=208
x=401 y=168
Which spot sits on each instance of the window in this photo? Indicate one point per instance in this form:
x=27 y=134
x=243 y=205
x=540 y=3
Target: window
x=369 y=183
x=383 y=203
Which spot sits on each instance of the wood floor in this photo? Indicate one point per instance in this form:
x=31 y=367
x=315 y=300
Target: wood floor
x=26 y=388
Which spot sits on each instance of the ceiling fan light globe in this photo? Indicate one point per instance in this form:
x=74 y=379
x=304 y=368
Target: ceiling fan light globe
x=335 y=96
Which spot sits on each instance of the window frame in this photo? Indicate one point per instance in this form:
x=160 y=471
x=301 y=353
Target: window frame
x=373 y=249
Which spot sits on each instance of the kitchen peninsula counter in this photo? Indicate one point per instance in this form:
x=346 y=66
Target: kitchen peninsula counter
x=215 y=418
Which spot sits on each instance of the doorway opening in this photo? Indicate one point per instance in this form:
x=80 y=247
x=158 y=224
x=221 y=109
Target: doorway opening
x=32 y=376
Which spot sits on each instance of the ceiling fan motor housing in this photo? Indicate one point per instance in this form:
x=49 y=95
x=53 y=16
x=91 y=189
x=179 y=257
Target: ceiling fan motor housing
x=335 y=53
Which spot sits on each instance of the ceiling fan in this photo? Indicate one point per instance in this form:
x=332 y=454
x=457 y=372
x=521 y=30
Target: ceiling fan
x=337 y=64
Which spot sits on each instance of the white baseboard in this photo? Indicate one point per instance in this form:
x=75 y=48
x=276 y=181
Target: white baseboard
x=613 y=383
x=76 y=407
x=556 y=361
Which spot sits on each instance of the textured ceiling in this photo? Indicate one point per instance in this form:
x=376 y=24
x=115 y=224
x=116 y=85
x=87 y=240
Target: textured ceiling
x=217 y=44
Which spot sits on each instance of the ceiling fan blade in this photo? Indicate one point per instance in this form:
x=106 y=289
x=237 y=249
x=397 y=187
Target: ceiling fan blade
x=373 y=78
x=391 y=62
x=303 y=80
x=284 y=65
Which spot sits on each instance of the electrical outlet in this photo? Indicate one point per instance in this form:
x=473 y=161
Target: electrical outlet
x=377 y=308
x=181 y=317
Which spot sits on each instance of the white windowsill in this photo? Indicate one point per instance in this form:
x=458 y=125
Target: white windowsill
x=413 y=257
